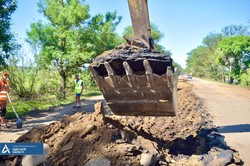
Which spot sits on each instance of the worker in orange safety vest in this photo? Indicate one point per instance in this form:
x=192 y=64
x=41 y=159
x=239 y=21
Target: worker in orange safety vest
x=4 y=89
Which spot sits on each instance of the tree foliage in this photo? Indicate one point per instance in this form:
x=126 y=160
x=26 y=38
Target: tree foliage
x=211 y=40
x=223 y=56
x=71 y=37
x=234 y=30
x=245 y=78
x=234 y=53
x=180 y=69
x=7 y=42
x=23 y=76
x=100 y=32
x=197 y=56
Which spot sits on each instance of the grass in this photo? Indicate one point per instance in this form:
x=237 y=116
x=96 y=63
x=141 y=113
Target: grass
x=22 y=106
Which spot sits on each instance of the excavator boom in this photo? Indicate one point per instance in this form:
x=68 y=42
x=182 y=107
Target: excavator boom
x=140 y=20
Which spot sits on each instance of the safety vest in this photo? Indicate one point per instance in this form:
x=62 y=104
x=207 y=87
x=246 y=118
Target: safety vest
x=3 y=90
x=78 y=86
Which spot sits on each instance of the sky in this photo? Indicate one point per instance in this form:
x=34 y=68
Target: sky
x=184 y=23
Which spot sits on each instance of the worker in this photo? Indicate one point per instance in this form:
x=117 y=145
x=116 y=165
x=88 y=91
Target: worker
x=78 y=90
x=4 y=89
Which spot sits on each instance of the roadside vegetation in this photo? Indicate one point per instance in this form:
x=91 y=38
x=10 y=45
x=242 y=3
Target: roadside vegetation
x=223 y=56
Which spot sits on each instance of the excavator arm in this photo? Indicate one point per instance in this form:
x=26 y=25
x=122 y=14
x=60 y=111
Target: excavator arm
x=140 y=21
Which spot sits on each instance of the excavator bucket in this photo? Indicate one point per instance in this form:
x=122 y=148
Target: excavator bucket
x=136 y=82
x=134 y=79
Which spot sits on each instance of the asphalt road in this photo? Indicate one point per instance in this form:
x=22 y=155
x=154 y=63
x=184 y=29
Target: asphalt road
x=229 y=106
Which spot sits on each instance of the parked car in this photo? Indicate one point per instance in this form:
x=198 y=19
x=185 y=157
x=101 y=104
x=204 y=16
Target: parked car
x=189 y=77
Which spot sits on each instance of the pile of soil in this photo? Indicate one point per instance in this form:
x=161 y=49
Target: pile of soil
x=189 y=138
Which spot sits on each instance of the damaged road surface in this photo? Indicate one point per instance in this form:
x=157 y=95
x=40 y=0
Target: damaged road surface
x=96 y=138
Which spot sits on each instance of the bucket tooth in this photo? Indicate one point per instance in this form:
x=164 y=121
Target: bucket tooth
x=148 y=72
x=93 y=72
x=129 y=74
x=148 y=69
x=175 y=79
x=127 y=68
x=169 y=75
x=111 y=78
x=109 y=69
x=97 y=78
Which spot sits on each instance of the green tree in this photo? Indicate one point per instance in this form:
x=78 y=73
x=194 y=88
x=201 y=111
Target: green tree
x=212 y=40
x=233 y=52
x=213 y=70
x=100 y=32
x=245 y=78
x=204 y=60
x=23 y=75
x=7 y=43
x=71 y=38
x=178 y=66
x=197 y=61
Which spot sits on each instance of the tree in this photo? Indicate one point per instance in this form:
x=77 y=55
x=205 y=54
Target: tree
x=234 y=30
x=178 y=66
x=101 y=32
x=7 y=43
x=197 y=61
x=211 y=40
x=23 y=75
x=234 y=53
x=71 y=38
x=213 y=70
x=208 y=60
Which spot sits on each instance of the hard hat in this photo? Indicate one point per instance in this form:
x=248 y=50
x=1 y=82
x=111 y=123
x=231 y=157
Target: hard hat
x=5 y=73
x=76 y=75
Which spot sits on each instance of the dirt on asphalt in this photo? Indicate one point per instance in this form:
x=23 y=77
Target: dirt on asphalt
x=229 y=106
x=93 y=138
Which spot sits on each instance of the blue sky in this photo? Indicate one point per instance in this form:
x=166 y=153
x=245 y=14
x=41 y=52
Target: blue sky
x=184 y=22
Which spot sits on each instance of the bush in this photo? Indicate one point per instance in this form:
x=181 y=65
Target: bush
x=245 y=78
x=49 y=83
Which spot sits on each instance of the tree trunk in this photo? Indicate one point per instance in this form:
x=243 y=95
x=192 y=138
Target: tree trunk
x=231 y=79
x=63 y=85
x=223 y=78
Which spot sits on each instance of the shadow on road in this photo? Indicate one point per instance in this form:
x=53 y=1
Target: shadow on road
x=234 y=128
x=39 y=118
